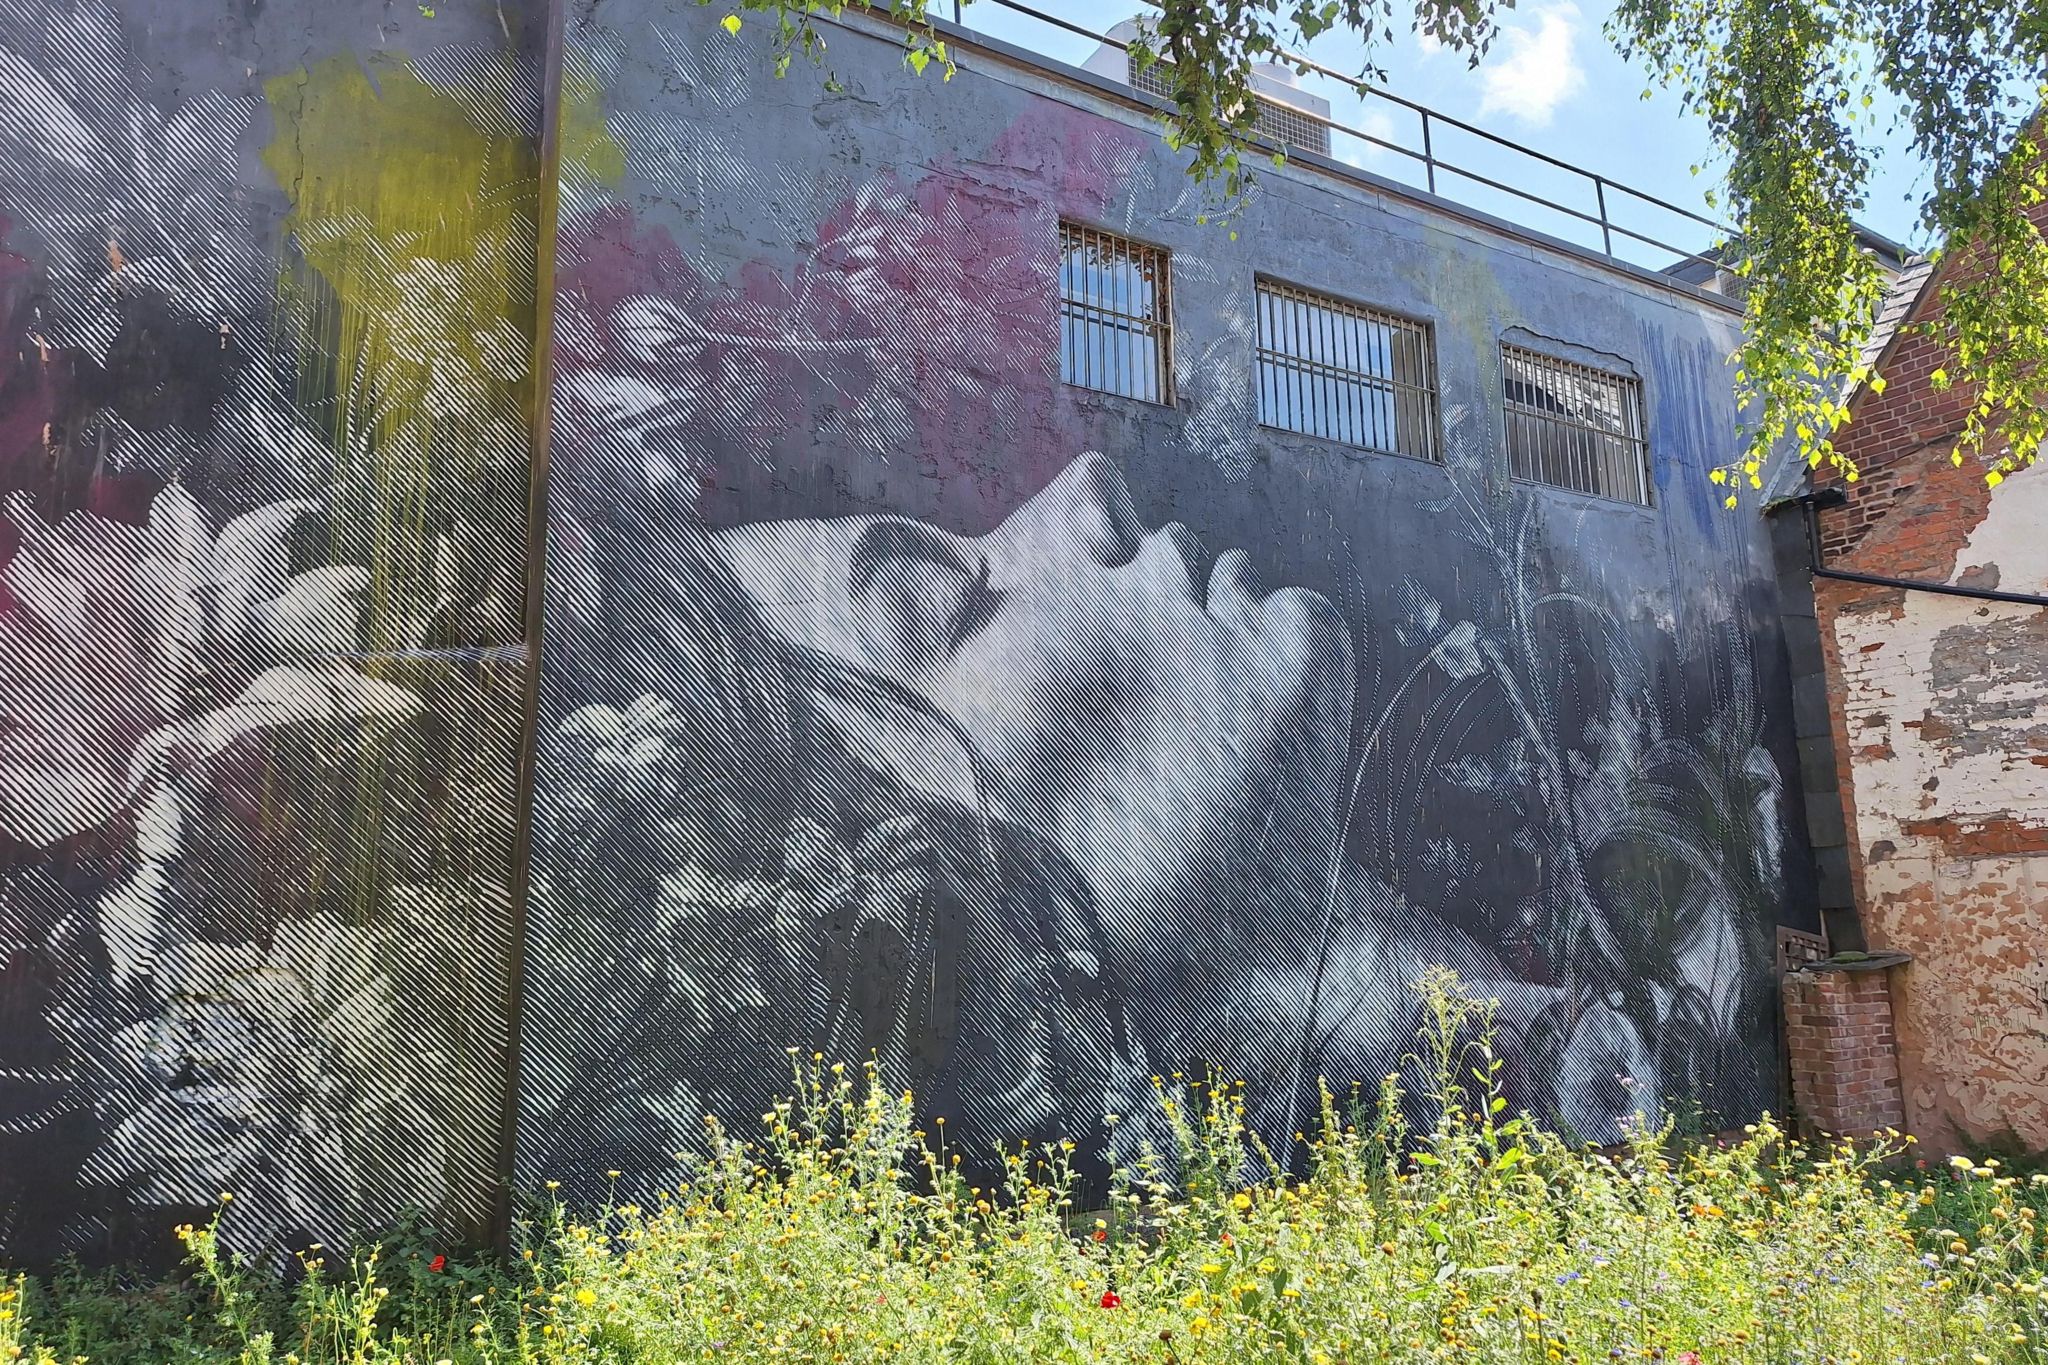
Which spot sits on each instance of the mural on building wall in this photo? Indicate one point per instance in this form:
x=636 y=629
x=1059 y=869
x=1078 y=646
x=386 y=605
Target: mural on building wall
x=260 y=640
x=900 y=701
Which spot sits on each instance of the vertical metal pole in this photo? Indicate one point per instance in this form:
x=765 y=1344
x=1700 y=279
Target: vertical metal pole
x=1299 y=349
x=1326 y=386
x=1097 y=286
x=547 y=212
x=1356 y=359
x=1066 y=308
x=1606 y=233
x=1258 y=352
x=1124 y=356
x=1428 y=154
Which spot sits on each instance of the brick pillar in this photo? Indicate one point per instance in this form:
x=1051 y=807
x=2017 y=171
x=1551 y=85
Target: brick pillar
x=1838 y=1037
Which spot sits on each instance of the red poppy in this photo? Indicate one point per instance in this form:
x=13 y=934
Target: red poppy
x=438 y=1264
x=1228 y=1240
x=1102 y=1234
x=1688 y=1358
x=1110 y=1299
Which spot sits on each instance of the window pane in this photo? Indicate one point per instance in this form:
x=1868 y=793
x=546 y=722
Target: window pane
x=1574 y=426
x=1113 y=308
x=1343 y=372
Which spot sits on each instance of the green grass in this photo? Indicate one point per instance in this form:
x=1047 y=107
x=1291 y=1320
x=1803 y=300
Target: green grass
x=846 y=1235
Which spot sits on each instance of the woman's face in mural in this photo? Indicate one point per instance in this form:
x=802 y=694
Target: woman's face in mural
x=1155 y=716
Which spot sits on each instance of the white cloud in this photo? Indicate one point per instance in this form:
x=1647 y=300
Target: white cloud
x=1537 y=70
x=1357 y=151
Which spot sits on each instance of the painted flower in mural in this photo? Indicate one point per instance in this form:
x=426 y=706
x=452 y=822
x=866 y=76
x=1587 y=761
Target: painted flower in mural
x=260 y=987
x=632 y=773
x=178 y=640
x=1420 y=625
x=959 y=297
x=739 y=935
x=133 y=341
x=923 y=320
x=1607 y=1075
x=443 y=334
x=1648 y=922
x=271 y=1075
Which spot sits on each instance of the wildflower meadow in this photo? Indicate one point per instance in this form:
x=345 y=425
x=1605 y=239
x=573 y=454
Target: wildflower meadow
x=845 y=1233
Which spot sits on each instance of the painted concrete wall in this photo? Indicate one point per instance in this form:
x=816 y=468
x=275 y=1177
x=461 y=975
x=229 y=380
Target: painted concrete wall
x=1944 y=753
x=810 y=345
x=896 y=698
x=268 y=281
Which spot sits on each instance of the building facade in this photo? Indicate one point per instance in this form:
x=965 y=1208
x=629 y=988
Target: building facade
x=994 y=615
x=1940 y=746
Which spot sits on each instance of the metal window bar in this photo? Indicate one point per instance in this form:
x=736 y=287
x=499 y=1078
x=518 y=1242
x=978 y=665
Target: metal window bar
x=1572 y=426
x=1344 y=372
x=1115 y=315
x=1433 y=166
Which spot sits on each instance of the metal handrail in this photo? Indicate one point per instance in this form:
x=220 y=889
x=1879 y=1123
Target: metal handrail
x=1432 y=164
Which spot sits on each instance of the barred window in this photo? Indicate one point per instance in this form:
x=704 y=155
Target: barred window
x=1115 y=315
x=1574 y=426
x=1344 y=372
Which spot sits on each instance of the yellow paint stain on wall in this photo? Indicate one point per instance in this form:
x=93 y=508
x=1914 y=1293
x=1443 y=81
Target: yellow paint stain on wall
x=411 y=280
x=419 y=225
x=413 y=208
x=588 y=148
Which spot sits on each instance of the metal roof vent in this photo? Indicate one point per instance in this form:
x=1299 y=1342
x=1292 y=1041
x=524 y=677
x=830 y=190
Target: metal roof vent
x=1288 y=115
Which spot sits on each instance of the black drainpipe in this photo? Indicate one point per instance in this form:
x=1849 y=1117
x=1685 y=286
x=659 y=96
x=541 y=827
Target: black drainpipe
x=1798 y=567
x=1810 y=503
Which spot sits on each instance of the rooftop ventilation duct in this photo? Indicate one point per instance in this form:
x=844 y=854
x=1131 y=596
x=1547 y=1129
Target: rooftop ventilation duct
x=1288 y=115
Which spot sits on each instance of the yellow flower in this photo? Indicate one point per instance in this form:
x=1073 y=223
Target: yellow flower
x=1241 y=1201
x=586 y=1297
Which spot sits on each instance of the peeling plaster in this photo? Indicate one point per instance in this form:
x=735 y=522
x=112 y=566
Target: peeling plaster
x=1946 y=701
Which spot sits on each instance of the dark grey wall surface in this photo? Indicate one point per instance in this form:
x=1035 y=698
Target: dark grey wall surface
x=1017 y=777
x=897 y=700
x=267 y=274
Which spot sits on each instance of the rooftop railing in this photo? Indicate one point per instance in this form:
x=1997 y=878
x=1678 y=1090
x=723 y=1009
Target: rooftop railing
x=1515 y=184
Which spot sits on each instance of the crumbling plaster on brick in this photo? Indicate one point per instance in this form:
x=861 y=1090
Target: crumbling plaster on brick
x=1943 y=703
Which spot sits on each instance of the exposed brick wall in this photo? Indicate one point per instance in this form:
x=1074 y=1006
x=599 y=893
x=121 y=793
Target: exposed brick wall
x=1939 y=712
x=1900 y=439
x=1844 y=1058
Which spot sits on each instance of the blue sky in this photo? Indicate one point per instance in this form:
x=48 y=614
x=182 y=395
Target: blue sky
x=1552 y=82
